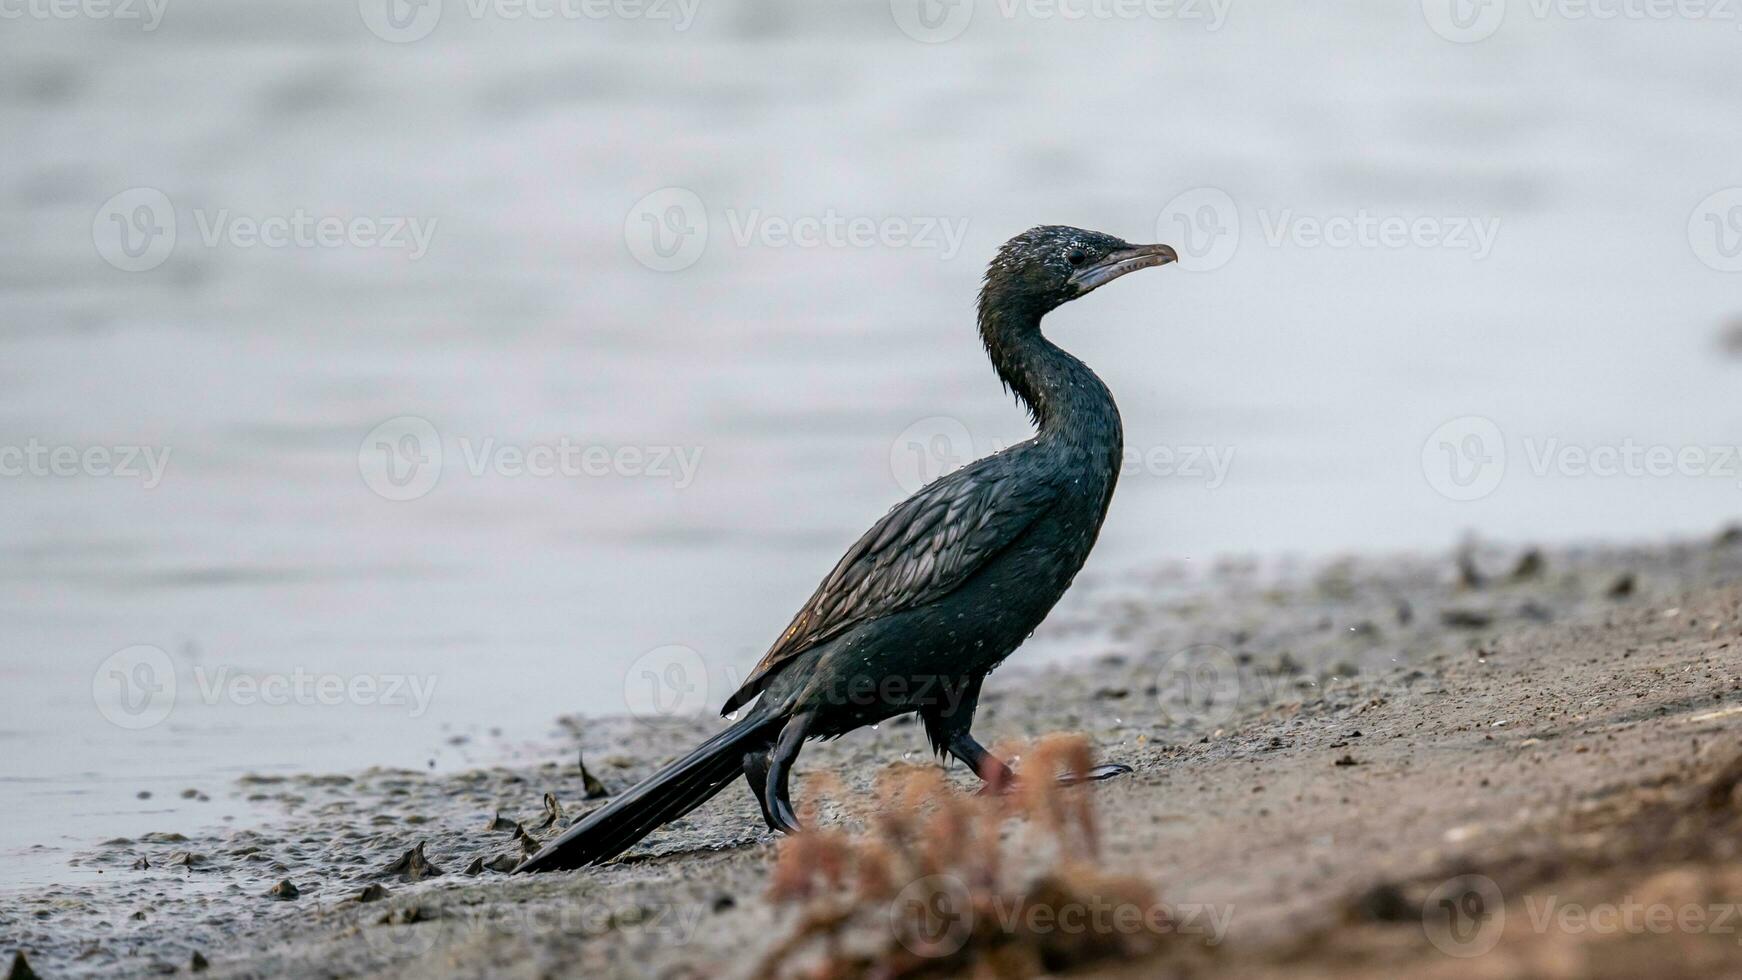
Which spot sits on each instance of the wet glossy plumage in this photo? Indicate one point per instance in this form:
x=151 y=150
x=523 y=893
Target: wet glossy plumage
x=941 y=589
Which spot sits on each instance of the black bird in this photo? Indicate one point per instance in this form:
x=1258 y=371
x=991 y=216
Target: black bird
x=940 y=590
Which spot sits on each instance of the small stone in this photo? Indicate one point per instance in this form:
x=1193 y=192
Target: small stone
x=284 y=891
x=197 y=963
x=1346 y=760
x=1623 y=586
x=372 y=893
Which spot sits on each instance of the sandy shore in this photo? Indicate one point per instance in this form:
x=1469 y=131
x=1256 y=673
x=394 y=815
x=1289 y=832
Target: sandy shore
x=1321 y=753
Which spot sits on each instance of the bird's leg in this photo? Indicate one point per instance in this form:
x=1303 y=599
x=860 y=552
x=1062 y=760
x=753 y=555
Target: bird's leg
x=777 y=805
x=998 y=777
x=756 y=774
x=991 y=769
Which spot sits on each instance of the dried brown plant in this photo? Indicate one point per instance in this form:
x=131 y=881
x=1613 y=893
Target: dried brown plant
x=937 y=881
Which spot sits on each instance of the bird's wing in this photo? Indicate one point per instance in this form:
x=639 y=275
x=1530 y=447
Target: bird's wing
x=918 y=553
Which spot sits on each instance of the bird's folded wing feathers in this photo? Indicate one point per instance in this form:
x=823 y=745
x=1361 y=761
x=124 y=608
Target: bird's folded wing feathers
x=918 y=553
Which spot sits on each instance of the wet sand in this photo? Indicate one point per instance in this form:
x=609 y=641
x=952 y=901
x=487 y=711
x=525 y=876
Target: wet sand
x=1318 y=749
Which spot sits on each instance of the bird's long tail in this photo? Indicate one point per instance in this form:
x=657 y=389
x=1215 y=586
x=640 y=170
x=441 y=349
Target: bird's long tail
x=657 y=800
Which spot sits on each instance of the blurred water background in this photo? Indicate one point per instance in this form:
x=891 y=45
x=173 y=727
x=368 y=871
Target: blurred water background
x=810 y=385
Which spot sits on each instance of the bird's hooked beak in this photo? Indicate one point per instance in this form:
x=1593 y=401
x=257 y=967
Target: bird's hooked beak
x=1119 y=263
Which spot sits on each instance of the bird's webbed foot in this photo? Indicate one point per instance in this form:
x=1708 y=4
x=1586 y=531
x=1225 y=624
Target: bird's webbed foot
x=1096 y=774
x=996 y=777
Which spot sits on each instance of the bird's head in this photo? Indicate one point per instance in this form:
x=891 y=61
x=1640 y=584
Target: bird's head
x=1046 y=267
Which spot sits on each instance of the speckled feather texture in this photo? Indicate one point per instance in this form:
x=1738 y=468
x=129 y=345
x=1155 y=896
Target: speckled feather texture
x=918 y=553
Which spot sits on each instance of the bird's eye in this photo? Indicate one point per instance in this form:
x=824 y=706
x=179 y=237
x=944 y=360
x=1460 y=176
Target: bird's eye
x=1076 y=257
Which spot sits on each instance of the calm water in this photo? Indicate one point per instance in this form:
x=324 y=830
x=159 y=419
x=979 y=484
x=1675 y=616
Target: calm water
x=1278 y=402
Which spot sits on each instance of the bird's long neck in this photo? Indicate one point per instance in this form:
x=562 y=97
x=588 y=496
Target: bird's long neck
x=1070 y=406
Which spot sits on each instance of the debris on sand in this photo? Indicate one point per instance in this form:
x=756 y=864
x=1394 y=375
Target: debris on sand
x=1469 y=576
x=1623 y=586
x=372 y=893
x=503 y=863
x=1731 y=536
x=142 y=864
x=590 y=784
x=1466 y=619
x=185 y=859
x=553 y=812
x=20 y=970
x=197 y=962
x=499 y=822
x=1730 y=341
x=1384 y=902
x=1530 y=566
x=412 y=866
x=1346 y=760
x=410 y=915
x=284 y=891
x=529 y=844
